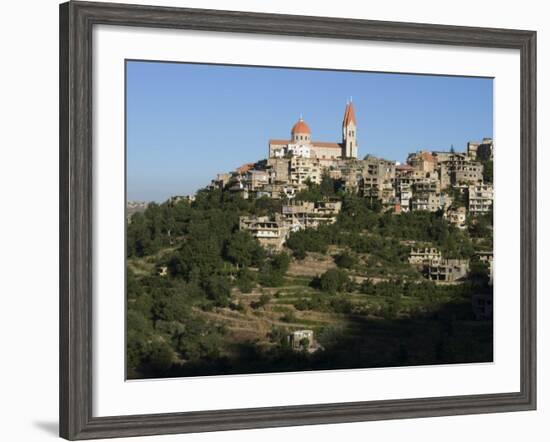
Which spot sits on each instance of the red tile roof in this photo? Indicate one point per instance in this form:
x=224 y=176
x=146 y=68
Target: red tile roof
x=427 y=156
x=403 y=167
x=244 y=168
x=300 y=128
x=326 y=144
x=349 y=115
x=275 y=141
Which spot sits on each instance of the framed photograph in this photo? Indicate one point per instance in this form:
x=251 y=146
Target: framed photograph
x=272 y=220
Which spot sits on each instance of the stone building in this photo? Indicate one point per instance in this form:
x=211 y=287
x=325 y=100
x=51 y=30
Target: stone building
x=430 y=201
x=221 y=181
x=457 y=168
x=256 y=179
x=456 y=216
x=444 y=156
x=423 y=255
x=404 y=194
x=278 y=170
x=306 y=214
x=447 y=270
x=426 y=186
x=480 y=198
x=422 y=161
x=481 y=151
x=271 y=234
x=378 y=178
x=301 y=144
x=302 y=340
x=466 y=172
x=303 y=170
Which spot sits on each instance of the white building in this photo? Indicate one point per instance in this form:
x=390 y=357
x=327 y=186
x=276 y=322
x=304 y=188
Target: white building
x=301 y=144
x=480 y=198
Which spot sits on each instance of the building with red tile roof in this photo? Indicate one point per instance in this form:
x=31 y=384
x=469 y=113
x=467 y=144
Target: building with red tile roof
x=301 y=144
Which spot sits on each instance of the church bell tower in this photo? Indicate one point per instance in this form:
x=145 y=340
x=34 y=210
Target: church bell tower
x=349 y=133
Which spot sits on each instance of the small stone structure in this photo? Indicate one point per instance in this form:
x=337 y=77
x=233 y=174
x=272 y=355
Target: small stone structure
x=302 y=340
x=447 y=270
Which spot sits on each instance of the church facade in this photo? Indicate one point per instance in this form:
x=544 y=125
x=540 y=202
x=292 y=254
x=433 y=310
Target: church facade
x=301 y=144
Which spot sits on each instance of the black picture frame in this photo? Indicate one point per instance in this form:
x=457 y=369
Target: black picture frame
x=76 y=243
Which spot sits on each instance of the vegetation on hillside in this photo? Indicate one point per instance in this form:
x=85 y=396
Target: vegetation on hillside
x=227 y=306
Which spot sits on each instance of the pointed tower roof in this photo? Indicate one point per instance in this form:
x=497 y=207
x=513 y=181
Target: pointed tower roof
x=349 y=115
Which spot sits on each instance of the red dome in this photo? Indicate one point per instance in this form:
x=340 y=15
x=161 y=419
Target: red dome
x=300 y=128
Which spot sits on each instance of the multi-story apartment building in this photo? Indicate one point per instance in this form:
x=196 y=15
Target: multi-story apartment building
x=271 y=234
x=466 y=172
x=303 y=170
x=457 y=168
x=380 y=168
x=422 y=161
x=423 y=255
x=378 y=178
x=404 y=195
x=481 y=151
x=480 y=198
x=306 y=214
x=447 y=270
x=278 y=170
x=430 y=201
x=256 y=179
x=426 y=186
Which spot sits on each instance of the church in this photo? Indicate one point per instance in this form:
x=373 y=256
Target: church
x=301 y=144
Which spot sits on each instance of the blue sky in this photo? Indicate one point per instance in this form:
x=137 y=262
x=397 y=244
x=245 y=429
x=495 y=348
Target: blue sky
x=188 y=122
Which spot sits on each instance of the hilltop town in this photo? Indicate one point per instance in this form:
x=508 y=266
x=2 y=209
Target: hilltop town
x=314 y=258
x=450 y=183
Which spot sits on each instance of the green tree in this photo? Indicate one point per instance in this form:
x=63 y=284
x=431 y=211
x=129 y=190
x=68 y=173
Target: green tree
x=488 y=171
x=244 y=250
x=218 y=290
x=304 y=344
x=334 y=280
x=245 y=280
x=160 y=357
x=327 y=186
x=280 y=262
x=345 y=260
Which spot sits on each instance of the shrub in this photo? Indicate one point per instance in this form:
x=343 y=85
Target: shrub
x=345 y=260
x=334 y=280
x=289 y=317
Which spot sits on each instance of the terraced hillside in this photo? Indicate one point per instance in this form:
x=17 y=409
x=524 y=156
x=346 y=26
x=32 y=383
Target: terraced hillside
x=205 y=298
